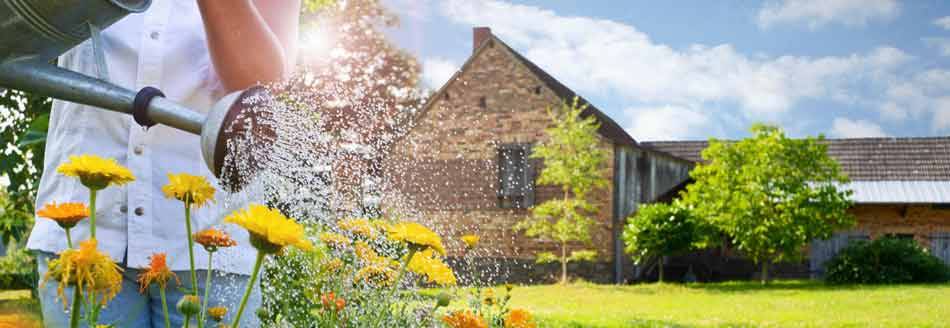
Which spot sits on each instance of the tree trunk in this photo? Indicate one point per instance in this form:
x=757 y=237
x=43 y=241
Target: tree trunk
x=563 y=263
x=765 y=272
x=662 y=258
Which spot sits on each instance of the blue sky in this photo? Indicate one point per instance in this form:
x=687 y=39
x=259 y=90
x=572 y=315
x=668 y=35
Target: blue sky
x=698 y=69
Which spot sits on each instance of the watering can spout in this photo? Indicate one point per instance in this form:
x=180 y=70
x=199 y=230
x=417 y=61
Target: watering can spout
x=34 y=32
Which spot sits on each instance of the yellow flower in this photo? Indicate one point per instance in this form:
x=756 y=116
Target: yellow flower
x=470 y=240
x=87 y=269
x=269 y=229
x=464 y=319
x=66 y=215
x=381 y=224
x=359 y=227
x=519 y=318
x=96 y=172
x=191 y=189
x=217 y=313
x=334 y=240
x=332 y=265
x=376 y=274
x=489 y=298
x=157 y=272
x=434 y=269
x=416 y=235
x=212 y=239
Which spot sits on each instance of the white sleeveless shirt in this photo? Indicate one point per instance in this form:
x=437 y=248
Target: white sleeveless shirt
x=164 y=47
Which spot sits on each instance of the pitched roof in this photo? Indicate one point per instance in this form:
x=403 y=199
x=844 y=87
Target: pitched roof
x=863 y=159
x=608 y=127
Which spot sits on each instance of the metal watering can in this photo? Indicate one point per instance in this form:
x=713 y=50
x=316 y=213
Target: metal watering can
x=33 y=33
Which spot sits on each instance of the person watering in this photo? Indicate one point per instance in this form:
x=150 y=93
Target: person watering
x=195 y=51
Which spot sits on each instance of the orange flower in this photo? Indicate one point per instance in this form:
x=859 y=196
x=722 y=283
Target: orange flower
x=519 y=318
x=340 y=304
x=464 y=319
x=327 y=299
x=212 y=239
x=66 y=215
x=158 y=272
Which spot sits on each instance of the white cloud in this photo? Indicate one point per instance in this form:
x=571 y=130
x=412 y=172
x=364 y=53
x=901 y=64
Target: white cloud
x=816 y=13
x=436 y=71
x=596 y=56
x=846 y=128
x=941 y=44
x=655 y=123
x=941 y=121
x=943 y=22
x=414 y=9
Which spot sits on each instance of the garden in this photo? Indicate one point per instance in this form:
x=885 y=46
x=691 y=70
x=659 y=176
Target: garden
x=333 y=244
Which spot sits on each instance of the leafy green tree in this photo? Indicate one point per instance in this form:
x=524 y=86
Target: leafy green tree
x=575 y=161
x=662 y=229
x=24 y=118
x=770 y=194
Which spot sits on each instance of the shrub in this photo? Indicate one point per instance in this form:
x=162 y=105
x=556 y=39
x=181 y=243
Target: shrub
x=17 y=269
x=885 y=261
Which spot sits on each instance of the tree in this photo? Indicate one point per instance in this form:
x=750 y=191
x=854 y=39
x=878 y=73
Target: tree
x=24 y=118
x=575 y=161
x=661 y=229
x=769 y=194
x=364 y=88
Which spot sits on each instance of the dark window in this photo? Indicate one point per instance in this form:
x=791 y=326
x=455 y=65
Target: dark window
x=482 y=102
x=903 y=236
x=537 y=90
x=515 y=176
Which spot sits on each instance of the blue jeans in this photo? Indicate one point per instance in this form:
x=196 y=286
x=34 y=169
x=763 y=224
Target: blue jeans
x=133 y=309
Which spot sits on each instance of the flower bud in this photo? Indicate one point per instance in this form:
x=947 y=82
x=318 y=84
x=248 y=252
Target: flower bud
x=189 y=305
x=443 y=299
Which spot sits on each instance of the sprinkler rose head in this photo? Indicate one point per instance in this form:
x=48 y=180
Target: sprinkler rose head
x=235 y=135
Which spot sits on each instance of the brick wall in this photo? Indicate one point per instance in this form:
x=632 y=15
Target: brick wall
x=918 y=220
x=446 y=166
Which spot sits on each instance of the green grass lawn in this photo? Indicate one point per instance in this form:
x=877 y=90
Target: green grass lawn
x=745 y=304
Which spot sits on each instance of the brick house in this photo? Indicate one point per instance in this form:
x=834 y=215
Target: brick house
x=901 y=188
x=463 y=165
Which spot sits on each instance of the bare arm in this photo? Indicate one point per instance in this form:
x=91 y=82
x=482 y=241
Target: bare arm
x=251 y=41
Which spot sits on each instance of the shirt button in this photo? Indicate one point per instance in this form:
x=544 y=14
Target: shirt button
x=154 y=35
x=138 y=150
x=139 y=211
x=123 y=209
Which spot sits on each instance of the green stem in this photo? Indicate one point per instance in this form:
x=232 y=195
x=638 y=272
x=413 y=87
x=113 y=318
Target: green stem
x=204 y=303
x=94 y=321
x=69 y=239
x=191 y=251
x=187 y=320
x=92 y=212
x=402 y=268
x=161 y=292
x=74 y=316
x=247 y=290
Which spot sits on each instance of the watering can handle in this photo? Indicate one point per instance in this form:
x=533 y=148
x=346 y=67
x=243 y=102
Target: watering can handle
x=41 y=77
